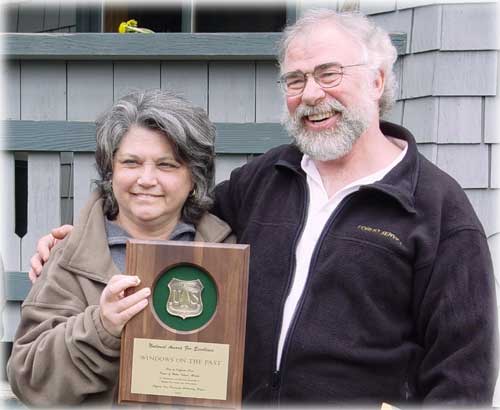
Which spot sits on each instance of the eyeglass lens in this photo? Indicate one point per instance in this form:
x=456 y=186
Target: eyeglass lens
x=326 y=77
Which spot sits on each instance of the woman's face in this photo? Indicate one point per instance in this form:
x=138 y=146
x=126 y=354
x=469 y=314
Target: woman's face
x=149 y=184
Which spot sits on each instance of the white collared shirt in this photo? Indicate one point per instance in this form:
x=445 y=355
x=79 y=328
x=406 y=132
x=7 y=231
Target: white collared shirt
x=319 y=210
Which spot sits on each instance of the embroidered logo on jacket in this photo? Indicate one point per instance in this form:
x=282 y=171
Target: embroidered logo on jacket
x=386 y=234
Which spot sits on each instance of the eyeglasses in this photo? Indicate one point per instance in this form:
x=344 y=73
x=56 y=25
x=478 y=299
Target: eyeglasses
x=327 y=75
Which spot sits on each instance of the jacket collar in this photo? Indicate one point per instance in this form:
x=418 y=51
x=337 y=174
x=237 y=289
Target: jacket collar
x=183 y=231
x=400 y=183
x=86 y=250
x=211 y=229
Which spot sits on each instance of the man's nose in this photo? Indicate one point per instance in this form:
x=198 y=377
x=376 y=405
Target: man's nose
x=312 y=93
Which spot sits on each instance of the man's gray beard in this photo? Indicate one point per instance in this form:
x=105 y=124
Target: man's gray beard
x=332 y=143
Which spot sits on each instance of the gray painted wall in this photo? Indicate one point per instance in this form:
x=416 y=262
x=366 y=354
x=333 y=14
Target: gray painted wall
x=449 y=83
x=448 y=97
x=55 y=16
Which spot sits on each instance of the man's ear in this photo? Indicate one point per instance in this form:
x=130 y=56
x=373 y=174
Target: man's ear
x=378 y=84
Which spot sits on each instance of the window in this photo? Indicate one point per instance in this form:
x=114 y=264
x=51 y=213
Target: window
x=237 y=19
x=156 y=17
x=200 y=18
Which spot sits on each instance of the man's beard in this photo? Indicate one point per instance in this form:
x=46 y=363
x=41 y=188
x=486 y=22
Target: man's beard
x=329 y=144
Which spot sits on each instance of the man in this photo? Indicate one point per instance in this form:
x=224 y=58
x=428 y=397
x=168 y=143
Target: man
x=370 y=276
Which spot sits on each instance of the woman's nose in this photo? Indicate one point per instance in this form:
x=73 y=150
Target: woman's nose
x=148 y=175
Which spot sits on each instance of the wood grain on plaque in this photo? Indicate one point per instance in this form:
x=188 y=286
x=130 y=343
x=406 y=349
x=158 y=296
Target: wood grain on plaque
x=228 y=266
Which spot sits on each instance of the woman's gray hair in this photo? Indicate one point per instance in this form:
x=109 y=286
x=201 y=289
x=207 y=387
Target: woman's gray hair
x=187 y=128
x=378 y=49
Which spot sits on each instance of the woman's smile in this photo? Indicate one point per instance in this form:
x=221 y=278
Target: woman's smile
x=146 y=196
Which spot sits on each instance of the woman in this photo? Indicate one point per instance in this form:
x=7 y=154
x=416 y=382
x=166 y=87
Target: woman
x=155 y=157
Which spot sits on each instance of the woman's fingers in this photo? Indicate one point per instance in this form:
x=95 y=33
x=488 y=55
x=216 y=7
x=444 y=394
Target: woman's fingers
x=115 y=308
x=118 y=284
x=125 y=315
x=131 y=300
x=116 y=315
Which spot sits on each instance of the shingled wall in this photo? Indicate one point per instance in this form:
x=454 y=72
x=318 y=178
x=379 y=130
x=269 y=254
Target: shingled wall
x=447 y=97
x=33 y=16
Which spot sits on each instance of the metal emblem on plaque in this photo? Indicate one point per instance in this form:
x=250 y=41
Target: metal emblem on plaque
x=185 y=298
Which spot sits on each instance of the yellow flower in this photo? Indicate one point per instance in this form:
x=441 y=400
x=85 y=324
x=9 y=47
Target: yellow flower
x=132 y=23
x=131 y=27
x=122 y=28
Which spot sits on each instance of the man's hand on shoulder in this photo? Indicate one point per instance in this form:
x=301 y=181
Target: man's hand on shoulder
x=43 y=248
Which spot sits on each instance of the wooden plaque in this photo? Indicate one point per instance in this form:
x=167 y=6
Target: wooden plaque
x=186 y=347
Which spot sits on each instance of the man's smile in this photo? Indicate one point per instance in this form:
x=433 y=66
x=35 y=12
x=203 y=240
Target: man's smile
x=322 y=120
x=320 y=116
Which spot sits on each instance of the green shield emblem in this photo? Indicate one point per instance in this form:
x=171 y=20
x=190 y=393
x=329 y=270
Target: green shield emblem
x=185 y=298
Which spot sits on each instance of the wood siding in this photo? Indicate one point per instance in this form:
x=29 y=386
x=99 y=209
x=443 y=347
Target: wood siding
x=449 y=100
x=57 y=16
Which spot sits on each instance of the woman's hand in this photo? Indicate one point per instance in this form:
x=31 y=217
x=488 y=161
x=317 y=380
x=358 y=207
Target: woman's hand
x=43 y=247
x=116 y=308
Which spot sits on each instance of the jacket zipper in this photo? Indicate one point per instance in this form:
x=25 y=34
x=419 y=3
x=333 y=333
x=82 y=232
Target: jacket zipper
x=275 y=378
x=278 y=374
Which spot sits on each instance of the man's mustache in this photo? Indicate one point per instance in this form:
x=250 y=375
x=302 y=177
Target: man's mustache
x=326 y=106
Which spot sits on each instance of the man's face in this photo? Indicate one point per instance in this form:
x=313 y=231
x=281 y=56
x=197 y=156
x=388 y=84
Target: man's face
x=326 y=122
